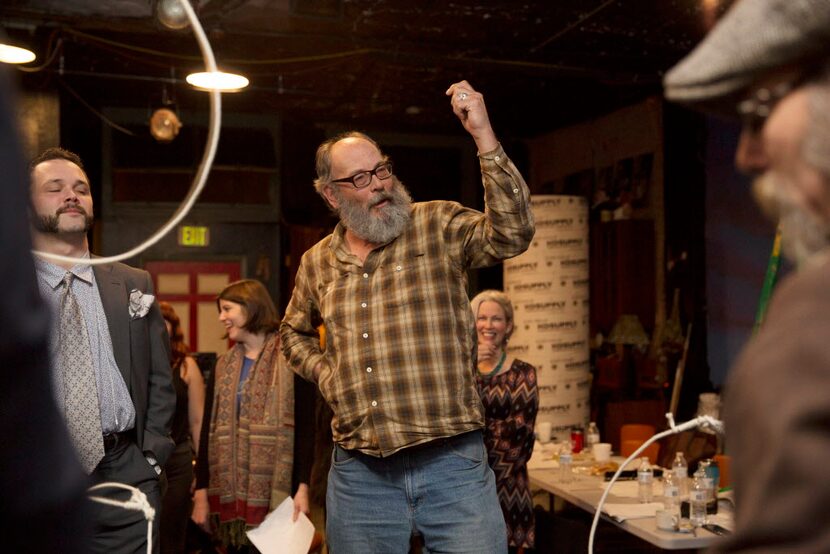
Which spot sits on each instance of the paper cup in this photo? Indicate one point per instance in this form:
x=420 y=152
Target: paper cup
x=543 y=431
x=602 y=451
x=666 y=520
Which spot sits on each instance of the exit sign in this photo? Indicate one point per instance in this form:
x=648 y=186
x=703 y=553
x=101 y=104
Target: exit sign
x=194 y=236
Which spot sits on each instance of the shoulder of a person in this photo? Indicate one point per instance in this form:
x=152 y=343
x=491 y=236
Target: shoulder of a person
x=437 y=210
x=225 y=358
x=120 y=268
x=800 y=298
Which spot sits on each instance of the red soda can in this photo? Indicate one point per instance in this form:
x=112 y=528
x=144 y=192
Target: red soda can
x=577 y=440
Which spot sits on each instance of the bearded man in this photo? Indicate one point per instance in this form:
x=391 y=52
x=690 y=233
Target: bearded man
x=768 y=61
x=398 y=369
x=110 y=352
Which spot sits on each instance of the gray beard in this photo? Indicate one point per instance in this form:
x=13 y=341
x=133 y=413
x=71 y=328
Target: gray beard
x=803 y=234
x=379 y=227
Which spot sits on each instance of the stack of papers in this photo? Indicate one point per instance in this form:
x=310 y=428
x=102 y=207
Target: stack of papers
x=277 y=534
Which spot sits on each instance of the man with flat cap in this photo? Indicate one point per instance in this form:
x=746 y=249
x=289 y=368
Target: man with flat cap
x=768 y=61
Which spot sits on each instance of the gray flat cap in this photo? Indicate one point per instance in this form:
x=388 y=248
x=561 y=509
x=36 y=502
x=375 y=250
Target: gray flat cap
x=753 y=38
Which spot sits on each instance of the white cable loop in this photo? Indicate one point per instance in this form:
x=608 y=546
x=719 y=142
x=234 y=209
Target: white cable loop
x=137 y=502
x=700 y=421
x=201 y=175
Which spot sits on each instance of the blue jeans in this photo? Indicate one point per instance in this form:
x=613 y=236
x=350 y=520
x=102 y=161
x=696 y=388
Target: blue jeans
x=445 y=491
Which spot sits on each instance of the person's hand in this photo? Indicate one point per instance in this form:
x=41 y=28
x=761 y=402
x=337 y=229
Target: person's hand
x=301 y=502
x=316 y=371
x=469 y=106
x=201 y=510
x=487 y=352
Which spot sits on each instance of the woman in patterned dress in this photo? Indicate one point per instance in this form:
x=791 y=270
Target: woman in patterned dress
x=508 y=391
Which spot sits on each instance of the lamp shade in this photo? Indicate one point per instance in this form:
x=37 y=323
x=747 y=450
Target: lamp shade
x=628 y=330
x=15 y=54
x=217 y=80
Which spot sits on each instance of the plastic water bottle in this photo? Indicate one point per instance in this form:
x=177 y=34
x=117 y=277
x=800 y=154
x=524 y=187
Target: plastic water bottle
x=698 y=496
x=591 y=436
x=711 y=494
x=645 y=480
x=671 y=492
x=565 y=460
x=681 y=474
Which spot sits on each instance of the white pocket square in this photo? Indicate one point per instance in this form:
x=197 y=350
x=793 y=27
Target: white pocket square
x=140 y=303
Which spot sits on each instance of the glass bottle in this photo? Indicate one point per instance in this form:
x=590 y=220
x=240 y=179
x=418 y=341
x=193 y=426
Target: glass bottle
x=681 y=474
x=645 y=480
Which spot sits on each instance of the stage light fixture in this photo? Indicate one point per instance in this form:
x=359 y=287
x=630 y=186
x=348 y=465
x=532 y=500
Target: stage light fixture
x=171 y=14
x=164 y=124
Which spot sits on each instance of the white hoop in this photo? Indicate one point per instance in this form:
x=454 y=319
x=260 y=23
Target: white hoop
x=201 y=175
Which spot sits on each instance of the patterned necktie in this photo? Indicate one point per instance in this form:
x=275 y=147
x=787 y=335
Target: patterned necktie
x=83 y=417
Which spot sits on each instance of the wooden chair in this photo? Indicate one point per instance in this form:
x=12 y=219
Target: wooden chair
x=632 y=435
x=724 y=462
x=627 y=447
x=638 y=431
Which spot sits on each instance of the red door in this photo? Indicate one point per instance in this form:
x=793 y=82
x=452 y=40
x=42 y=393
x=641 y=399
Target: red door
x=191 y=288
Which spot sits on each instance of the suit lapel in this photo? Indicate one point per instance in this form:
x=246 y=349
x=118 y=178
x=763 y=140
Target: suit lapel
x=114 y=298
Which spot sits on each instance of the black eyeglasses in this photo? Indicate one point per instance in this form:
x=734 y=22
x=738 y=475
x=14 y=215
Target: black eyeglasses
x=755 y=110
x=362 y=179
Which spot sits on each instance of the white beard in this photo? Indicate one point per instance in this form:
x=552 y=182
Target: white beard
x=803 y=234
x=378 y=228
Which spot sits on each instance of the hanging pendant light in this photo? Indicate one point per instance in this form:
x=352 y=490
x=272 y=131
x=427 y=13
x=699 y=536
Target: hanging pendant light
x=218 y=80
x=15 y=54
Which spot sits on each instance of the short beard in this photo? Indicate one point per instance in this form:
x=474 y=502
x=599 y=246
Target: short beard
x=381 y=227
x=50 y=223
x=803 y=234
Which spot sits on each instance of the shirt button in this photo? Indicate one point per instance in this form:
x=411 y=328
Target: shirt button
x=497 y=158
x=363 y=304
x=365 y=335
x=368 y=370
x=515 y=191
x=398 y=268
x=374 y=403
x=365 y=275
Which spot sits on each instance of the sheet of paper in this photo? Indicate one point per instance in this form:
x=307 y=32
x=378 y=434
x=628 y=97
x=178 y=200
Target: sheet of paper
x=621 y=512
x=631 y=489
x=277 y=534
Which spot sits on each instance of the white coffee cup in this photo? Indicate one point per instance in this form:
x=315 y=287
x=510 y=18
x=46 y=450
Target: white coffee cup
x=543 y=431
x=666 y=520
x=602 y=451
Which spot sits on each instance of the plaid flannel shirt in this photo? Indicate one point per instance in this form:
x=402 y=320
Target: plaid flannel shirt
x=398 y=368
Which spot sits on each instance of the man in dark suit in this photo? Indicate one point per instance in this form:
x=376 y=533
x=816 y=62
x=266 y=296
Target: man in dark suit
x=110 y=352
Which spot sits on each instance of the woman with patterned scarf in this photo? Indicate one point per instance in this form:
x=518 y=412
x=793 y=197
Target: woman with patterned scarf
x=260 y=449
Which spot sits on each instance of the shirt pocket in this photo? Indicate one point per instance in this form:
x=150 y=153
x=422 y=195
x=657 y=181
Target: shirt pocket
x=404 y=282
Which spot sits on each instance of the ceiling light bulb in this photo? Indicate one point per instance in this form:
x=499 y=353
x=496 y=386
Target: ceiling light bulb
x=171 y=14
x=218 y=80
x=15 y=54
